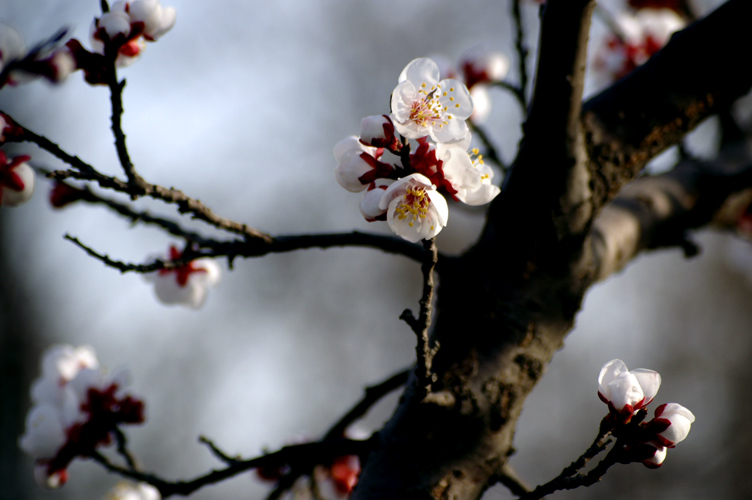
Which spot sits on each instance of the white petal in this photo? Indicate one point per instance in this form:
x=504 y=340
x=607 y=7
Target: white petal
x=44 y=434
x=422 y=70
x=650 y=382
x=454 y=131
x=609 y=371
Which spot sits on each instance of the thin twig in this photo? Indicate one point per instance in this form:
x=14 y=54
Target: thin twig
x=568 y=478
x=308 y=454
x=116 y=102
x=87 y=195
x=217 y=452
x=373 y=394
x=490 y=150
x=512 y=480
x=422 y=324
x=122 y=448
x=575 y=481
x=234 y=249
x=519 y=44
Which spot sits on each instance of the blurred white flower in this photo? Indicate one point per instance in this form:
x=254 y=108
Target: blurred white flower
x=16 y=180
x=187 y=284
x=76 y=406
x=133 y=491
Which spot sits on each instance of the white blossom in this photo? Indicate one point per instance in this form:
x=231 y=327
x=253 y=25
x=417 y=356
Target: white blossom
x=414 y=209
x=75 y=406
x=678 y=420
x=157 y=20
x=468 y=175
x=424 y=106
x=627 y=391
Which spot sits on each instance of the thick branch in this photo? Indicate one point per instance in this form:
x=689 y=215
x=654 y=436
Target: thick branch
x=658 y=212
x=550 y=175
x=696 y=75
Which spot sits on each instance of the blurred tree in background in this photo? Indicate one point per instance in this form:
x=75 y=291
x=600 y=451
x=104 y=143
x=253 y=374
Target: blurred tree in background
x=240 y=105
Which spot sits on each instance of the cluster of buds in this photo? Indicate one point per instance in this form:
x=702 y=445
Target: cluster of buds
x=642 y=35
x=186 y=284
x=627 y=393
x=77 y=408
x=119 y=33
x=18 y=65
x=404 y=187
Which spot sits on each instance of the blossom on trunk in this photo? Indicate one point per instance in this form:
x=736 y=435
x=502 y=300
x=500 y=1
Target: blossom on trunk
x=77 y=407
x=186 y=284
x=424 y=106
x=414 y=209
x=16 y=180
x=626 y=391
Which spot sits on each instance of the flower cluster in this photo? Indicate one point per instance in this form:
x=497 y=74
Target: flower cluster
x=627 y=393
x=406 y=187
x=120 y=33
x=642 y=35
x=128 y=25
x=186 y=284
x=77 y=407
x=17 y=65
x=16 y=180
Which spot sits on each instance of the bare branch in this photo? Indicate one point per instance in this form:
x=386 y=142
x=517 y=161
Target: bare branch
x=519 y=45
x=658 y=212
x=421 y=325
x=307 y=454
x=658 y=103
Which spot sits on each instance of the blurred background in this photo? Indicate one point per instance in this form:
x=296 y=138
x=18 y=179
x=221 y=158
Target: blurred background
x=240 y=106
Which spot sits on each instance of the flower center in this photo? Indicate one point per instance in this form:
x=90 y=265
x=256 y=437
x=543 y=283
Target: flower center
x=427 y=110
x=414 y=205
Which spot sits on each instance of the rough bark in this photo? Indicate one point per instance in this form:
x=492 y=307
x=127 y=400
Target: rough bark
x=505 y=307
